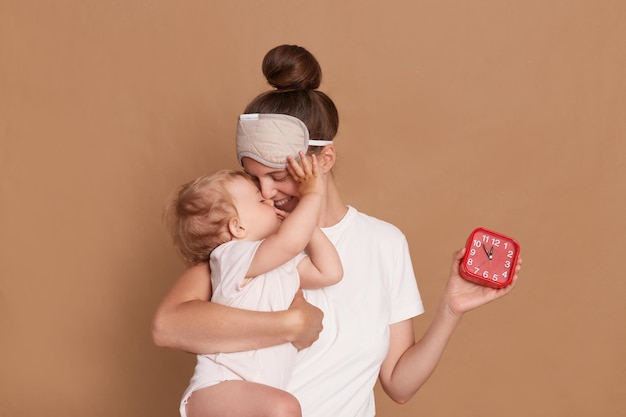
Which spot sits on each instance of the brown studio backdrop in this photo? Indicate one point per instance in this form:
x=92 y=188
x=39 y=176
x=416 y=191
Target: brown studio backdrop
x=507 y=115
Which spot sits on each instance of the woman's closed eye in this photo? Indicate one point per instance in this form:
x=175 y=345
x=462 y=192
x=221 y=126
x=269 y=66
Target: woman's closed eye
x=280 y=178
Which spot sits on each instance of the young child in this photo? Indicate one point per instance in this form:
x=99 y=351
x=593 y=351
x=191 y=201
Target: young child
x=256 y=257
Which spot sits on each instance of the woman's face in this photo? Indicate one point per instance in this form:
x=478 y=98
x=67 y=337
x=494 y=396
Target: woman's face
x=275 y=184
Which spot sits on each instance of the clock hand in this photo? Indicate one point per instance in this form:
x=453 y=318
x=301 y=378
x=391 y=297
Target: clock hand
x=488 y=253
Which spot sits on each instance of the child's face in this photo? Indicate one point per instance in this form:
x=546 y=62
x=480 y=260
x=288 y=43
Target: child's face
x=275 y=184
x=256 y=214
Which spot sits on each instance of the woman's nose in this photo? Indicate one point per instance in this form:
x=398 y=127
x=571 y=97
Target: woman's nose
x=267 y=191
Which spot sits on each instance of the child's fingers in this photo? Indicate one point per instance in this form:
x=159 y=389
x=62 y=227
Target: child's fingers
x=314 y=165
x=290 y=170
x=305 y=164
x=304 y=168
x=282 y=214
x=294 y=168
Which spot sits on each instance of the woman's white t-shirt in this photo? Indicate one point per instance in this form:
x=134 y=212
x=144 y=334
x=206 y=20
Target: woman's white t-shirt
x=337 y=374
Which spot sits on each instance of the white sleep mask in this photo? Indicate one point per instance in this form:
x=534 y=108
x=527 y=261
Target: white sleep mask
x=270 y=138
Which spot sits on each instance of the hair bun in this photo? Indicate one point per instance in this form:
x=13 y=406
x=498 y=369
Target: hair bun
x=291 y=67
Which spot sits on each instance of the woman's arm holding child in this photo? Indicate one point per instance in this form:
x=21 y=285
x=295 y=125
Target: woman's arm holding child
x=186 y=320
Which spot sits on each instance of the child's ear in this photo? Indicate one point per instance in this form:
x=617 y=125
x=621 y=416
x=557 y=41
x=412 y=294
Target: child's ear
x=326 y=158
x=236 y=228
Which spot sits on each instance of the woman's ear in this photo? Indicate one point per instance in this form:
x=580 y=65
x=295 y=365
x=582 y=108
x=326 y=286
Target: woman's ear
x=326 y=158
x=236 y=228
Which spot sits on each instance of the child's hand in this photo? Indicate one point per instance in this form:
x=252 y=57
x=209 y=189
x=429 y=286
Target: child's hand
x=281 y=213
x=306 y=174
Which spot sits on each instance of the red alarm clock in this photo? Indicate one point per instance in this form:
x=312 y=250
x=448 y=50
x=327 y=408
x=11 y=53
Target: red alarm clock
x=490 y=259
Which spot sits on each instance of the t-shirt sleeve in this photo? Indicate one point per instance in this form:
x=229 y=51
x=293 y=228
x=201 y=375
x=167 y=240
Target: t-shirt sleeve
x=406 y=301
x=229 y=264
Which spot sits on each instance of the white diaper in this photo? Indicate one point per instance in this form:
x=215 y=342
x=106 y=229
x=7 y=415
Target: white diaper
x=200 y=381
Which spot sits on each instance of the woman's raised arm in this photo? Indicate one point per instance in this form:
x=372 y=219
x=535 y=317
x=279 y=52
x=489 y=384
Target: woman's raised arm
x=186 y=320
x=409 y=363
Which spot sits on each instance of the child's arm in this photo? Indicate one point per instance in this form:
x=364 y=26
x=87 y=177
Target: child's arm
x=296 y=229
x=322 y=267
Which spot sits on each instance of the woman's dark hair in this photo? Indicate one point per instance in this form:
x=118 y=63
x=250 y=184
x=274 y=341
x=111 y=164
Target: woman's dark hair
x=295 y=75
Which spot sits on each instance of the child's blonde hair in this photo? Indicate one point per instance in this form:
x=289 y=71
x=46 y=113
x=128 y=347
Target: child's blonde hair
x=198 y=215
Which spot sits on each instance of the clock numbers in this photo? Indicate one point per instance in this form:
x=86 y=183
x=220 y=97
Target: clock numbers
x=494 y=242
x=485 y=273
x=490 y=259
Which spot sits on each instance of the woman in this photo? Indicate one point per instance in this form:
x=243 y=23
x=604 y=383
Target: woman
x=367 y=317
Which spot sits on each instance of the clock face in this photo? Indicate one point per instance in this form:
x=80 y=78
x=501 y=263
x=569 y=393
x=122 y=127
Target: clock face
x=490 y=258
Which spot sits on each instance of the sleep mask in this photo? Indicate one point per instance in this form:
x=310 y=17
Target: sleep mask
x=270 y=138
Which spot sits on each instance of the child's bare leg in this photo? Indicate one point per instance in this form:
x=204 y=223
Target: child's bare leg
x=242 y=399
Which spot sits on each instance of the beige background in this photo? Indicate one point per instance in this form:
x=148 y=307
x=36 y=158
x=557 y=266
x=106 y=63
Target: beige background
x=454 y=114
